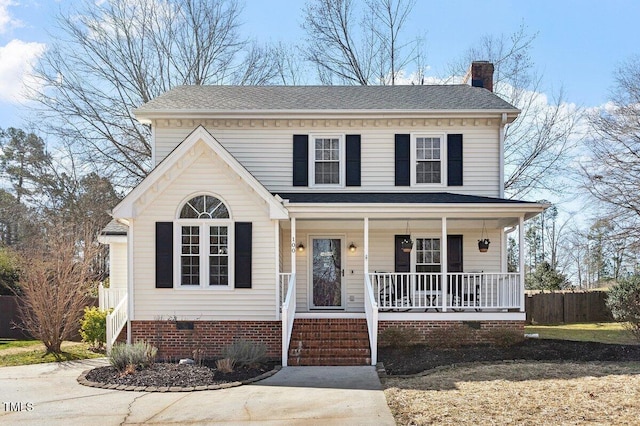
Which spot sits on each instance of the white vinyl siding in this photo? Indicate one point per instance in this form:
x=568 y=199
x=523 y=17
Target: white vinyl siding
x=267 y=153
x=203 y=176
x=117 y=265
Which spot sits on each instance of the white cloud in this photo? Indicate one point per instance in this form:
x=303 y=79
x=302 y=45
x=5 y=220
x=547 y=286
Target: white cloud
x=6 y=20
x=17 y=60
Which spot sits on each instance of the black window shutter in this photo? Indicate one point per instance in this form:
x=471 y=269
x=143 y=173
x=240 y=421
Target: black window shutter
x=242 y=262
x=403 y=158
x=454 y=160
x=300 y=160
x=164 y=254
x=353 y=160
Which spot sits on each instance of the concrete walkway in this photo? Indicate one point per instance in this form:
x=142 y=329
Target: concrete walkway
x=48 y=394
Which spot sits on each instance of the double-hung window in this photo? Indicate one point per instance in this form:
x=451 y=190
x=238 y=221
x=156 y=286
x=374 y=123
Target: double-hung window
x=204 y=231
x=428 y=159
x=327 y=158
x=428 y=255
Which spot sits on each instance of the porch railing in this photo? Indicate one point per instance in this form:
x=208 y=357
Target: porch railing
x=288 y=315
x=285 y=277
x=108 y=298
x=463 y=291
x=116 y=320
x=371 y=312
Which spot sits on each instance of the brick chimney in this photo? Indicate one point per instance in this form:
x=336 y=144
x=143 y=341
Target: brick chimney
x=481 y=74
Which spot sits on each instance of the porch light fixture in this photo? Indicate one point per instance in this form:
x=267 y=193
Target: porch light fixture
x=301 y=247
x=352 y=247
x=407 y=244
x=483 y=242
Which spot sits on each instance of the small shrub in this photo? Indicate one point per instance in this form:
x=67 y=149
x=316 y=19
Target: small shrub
x=399 y=337
x=93 y=327
x=451 y=337
x=504 y=338
x=245 y=352
x=623 y=299
x=139 y=355
x=225 y=365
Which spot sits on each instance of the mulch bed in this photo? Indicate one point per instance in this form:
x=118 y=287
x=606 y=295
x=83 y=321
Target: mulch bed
x=173 y=375
x=419 y=358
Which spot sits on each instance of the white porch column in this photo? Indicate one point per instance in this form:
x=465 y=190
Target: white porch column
x=521 y=259
x=443 y=264
x=366 y=245
x=276 y=239
x=293 y=245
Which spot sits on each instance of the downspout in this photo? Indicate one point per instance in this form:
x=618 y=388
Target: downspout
x=129 y=279
x=503 y=123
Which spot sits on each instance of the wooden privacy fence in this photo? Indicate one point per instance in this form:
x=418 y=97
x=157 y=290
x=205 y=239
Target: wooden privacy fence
x=9 y=315
x=567 y=307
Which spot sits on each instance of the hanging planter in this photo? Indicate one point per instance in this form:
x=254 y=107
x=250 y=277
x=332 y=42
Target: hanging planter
x=483 y=243
x=407 y=244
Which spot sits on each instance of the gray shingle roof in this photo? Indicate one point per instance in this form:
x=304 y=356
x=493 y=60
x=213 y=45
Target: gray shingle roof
x=324 y=98
x=393 y=198
x=114 y=228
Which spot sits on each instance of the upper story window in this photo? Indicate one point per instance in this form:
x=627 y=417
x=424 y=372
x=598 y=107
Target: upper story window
x=428 y=159
x=327 y=158
x=204 y=233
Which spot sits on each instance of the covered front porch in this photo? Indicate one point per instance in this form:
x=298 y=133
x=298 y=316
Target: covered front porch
x=352 y=261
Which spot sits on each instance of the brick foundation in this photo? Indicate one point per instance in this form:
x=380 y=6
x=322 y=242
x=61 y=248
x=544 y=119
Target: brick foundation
x=179 y=339
x=465 y=332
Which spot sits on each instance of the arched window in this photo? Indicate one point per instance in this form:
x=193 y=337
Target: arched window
x=204 y=235
x=204 y=207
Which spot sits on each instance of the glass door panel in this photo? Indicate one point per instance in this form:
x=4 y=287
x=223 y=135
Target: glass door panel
x=326 y=273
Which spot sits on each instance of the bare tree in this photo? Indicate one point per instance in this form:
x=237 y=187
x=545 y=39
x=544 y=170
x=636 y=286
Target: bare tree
x=55 y=280
x=538 y=145
x=348 y=47
x=118 y=54
x=612 y=172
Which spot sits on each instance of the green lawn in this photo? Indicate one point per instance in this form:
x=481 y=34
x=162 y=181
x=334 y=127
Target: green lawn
x=604 y=332
x=24 y=352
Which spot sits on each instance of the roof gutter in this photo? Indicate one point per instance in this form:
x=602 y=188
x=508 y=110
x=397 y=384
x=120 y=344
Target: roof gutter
x=147 y=116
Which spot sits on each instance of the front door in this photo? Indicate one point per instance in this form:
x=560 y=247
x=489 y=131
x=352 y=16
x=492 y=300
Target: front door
x=326 y=273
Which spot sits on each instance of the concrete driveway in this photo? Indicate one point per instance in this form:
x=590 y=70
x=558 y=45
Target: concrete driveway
x=48 y=394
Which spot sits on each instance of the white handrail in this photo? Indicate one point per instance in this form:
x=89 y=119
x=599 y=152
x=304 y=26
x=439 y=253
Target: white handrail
x=371 y=312
x=285 y=277
x=116 y=321
x=108 y=298
x=403 y=291
x=288 y=315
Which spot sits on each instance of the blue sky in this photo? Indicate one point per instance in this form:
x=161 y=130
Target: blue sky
x=578 y=46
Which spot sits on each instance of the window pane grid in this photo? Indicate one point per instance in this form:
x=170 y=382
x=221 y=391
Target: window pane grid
x=218 y=255
x=428 y=160
x=428 y=255
x=190 y=256
x=327 y=161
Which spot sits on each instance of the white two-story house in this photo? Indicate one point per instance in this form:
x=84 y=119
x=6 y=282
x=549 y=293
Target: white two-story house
x=312 y=218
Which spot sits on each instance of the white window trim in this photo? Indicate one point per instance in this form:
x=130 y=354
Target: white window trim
x=204 y=225
x=312 y=160
x=414 y=252
x=443 y=159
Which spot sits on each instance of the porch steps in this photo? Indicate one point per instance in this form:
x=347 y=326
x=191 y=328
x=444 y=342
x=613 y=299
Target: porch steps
x=330 y=341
